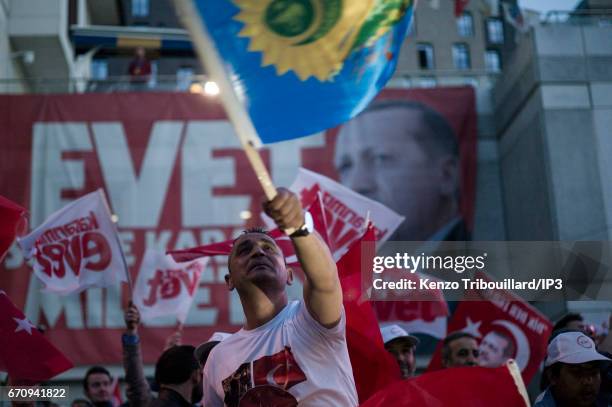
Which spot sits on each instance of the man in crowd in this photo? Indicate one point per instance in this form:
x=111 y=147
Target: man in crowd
x=138 y=390
x=405 y=155
x=459 y=349
x=402 y=346
x=98 y=386
x=569 y=321
x=573 y=366
x=286 y=352
x=495 y=349
x=203 y=350
x=179 y=376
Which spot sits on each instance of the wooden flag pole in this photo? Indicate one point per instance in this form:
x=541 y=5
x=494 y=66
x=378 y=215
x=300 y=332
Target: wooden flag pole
x=209 y=57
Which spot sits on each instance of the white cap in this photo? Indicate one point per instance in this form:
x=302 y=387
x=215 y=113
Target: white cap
x=391 y=332
x=204 y=348
x=572 y=348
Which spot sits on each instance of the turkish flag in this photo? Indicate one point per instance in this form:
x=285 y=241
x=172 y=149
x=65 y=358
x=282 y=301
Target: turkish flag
x=509 y=317
x=373 y=367
x=25 y=353
x=116 y=398
x=457 y=387
x=12 y=222
x=460 y=5
x=283 y=241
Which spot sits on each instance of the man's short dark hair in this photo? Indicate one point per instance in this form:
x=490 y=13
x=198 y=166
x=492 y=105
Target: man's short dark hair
x=94 y=370
x=176 y=365
x=567 y=318
x=441 y=141
x=254 y=229
x=453 y=336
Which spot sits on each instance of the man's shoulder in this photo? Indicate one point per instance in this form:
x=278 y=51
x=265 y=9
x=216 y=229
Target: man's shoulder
x=545 y=399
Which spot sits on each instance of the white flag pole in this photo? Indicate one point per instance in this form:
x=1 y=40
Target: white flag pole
x=210 y=59
x=125 y=266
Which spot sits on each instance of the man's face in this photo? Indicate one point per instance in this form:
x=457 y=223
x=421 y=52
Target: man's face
x=463 y=352
x=98 y=387
x=378 y=155
x=256 y=260
x=492 y=348
x=577 y=385
x=403 y=352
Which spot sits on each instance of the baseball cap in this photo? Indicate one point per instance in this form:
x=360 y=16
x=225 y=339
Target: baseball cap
x=572 y=348
x=203 y=349
x=392 y=332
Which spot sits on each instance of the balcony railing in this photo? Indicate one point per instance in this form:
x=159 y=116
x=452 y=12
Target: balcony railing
x=158 y=83
x=599 y=17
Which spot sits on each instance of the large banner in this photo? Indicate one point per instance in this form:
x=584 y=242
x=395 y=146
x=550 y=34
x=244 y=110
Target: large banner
x=175 y=177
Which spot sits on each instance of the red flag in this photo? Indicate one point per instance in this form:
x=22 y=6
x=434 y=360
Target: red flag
x=116 y=398
x=25 y=353
x=284 y=242
x=498 y=313
x=12 y=222
x=457 y=387
x=373 y=367
x=460 y=5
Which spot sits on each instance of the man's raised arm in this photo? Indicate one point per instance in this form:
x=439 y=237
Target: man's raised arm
x=322 y=291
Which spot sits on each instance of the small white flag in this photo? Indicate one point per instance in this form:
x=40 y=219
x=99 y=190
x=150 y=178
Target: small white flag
x=164 y=287
x=76 y=247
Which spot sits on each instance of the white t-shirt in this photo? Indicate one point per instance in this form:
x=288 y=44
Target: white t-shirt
x=291 y=359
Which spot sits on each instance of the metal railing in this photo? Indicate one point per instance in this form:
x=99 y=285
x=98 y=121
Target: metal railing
x=599 y=17
x=158 y=83
x=195 y=83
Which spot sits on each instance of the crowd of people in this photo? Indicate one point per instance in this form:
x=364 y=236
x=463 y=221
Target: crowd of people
x=291 y=353
x=295 y=352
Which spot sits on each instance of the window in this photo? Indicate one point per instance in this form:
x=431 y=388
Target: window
x=425 y=56
x=495 y=31
x=465 y=25
x=492 y=60
x=99 y=69
x=461 y=56
x=183 y=77
x=140 y=8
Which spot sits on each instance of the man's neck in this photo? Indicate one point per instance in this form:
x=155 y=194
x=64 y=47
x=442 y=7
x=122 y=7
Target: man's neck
x=260 y=308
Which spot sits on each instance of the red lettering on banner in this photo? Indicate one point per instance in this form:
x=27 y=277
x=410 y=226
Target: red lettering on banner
x=336 y=226
x=72 y=253
x=95 y=244
x=408 y=310
x=55 y=253
x=167 y=284
x=91 y=246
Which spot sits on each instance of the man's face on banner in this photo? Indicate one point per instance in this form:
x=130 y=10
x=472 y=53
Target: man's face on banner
x=493 y=350
x=378 y=154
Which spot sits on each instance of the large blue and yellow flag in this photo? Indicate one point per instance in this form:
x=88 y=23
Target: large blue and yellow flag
x=302 y=66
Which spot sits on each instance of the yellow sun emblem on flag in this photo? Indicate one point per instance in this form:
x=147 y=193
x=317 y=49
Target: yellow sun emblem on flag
x=308 y=37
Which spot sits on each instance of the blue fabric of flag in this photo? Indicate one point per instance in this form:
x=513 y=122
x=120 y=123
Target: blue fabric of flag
x=303 y=66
